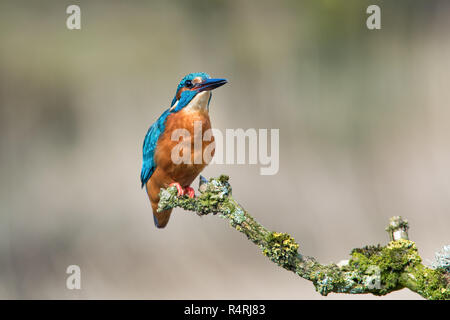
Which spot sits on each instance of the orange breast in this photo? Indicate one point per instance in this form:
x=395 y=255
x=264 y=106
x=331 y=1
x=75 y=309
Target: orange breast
x=189 y=148
x=166 y=171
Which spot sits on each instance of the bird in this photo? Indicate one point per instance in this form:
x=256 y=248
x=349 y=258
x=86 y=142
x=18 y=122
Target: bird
x=189 y=106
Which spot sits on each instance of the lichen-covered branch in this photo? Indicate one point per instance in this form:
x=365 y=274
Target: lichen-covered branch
x=372 y=269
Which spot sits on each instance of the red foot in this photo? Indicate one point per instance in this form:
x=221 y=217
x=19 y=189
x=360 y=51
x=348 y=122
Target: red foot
x=190 y=192
x=179 y=188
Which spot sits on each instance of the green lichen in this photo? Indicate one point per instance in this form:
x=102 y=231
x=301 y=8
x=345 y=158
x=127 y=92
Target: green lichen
x=390 y=261
x=442 y=259
x=367 y=250
x=392 y=256
x=400 y=266
x=331 y=278
x=326 y=279
x=212 y=200
x=281 y=248
x=237 y=216
x=372 y=269
x=429 y=283
x=379 y=270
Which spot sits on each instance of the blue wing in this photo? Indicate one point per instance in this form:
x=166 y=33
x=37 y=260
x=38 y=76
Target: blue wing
x=148 y=149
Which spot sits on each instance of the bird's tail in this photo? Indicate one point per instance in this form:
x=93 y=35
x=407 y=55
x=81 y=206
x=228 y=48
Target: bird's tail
x=161 y=218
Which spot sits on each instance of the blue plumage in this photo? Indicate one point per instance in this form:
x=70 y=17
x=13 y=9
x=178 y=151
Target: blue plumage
x=154 y=132
x=148 y=149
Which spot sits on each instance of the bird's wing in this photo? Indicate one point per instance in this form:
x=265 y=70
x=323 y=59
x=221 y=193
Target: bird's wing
x=148 y=149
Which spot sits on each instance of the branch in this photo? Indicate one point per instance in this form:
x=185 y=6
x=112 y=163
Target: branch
x=378 y=270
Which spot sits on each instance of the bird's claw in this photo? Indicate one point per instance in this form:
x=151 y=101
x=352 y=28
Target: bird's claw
x=190 y=192
x=180 y=190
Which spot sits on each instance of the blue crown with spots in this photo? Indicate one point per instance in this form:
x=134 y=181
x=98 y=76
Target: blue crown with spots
x=190 y=76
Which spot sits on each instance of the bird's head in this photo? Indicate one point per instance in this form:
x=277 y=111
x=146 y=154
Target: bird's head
x=194 y=91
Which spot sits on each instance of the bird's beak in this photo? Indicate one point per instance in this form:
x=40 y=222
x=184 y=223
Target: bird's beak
x=210 y=84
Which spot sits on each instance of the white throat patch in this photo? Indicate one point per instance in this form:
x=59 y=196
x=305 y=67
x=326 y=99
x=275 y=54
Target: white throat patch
x=199 y=102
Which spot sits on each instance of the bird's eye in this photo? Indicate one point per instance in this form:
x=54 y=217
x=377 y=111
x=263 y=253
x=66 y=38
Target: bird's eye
x=188 y=84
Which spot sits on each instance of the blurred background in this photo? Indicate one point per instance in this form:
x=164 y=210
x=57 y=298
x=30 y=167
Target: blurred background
x=364 y=135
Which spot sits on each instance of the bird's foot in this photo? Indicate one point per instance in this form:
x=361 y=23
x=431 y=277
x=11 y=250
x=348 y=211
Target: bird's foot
x=190 y=192
x=180 y=189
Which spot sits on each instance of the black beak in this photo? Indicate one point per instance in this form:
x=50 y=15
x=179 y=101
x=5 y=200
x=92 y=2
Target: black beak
x=211 y=84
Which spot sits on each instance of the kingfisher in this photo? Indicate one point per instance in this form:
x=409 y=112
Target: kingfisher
x=189 y=107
